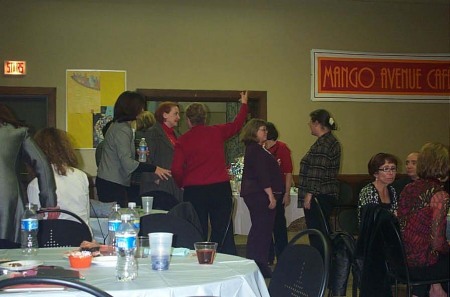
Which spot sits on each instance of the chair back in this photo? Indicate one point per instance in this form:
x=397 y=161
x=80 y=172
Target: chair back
x=161 y=200
x=61 y=233
x=316 y=210
x=394 y=249
x=348 y=220
x=345 y=197
x=8 y=244
x=33 y=280
x=186 y=211
x=301 y=269
x=184 y=233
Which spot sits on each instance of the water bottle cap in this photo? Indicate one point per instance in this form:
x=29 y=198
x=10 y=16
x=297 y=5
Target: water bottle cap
x=143 y=138
x=131 y=204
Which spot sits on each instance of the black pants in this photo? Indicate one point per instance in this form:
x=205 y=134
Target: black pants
x=280 y=238
x=214 y=202
x=111 y=192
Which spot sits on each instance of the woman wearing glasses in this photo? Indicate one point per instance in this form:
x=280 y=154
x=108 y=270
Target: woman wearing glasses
x=262 y=186
x=383 y=167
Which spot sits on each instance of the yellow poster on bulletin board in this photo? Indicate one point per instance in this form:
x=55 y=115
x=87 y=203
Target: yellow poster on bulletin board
x=91 y=95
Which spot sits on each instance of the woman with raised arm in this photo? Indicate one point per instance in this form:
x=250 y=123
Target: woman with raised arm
x=199 y=167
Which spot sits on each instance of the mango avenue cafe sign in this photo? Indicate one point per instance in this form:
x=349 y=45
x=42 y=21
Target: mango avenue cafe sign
x=380 y=77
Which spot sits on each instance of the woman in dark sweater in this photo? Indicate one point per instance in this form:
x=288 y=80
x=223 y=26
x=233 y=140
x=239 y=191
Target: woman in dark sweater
x=262 y=186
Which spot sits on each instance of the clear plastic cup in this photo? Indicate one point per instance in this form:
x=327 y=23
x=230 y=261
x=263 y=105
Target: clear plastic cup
x=147 y=204
x=160 y=249
x=206 y=251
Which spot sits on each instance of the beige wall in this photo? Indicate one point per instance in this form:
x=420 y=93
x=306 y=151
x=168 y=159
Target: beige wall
x=233 y=45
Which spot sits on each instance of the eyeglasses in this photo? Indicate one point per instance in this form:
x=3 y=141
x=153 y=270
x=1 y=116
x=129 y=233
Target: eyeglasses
x=262 y=129
x=388 y=169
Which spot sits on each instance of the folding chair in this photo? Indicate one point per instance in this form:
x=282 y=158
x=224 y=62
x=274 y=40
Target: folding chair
x=184 y=233
x=396 y=261
x=301 y=269
x=61 y=233
x=20 y=281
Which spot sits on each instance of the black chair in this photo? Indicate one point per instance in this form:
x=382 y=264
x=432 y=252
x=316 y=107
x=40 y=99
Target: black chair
x=342 y=249
x=60 y=232
x=17 y=281
x=184 y=233
x=161 y=200
x=186 y=211
x=345 y=201
x=301 y=270
x=8 y=244
x=396 y=258
x=347 y=220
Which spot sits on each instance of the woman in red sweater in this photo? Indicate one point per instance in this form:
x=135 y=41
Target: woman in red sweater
x=199 y=167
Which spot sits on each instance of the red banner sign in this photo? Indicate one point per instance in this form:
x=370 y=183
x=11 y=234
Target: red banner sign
x=381 y=77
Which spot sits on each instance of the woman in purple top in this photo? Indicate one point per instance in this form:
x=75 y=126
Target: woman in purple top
x=262 y=186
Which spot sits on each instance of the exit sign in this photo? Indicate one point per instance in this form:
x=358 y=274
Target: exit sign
x=15 y=68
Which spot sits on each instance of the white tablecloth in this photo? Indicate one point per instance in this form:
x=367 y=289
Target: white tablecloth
x=228 y=276
x=242 y=222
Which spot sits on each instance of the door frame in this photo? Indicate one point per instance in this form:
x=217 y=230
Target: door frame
x=257 y=99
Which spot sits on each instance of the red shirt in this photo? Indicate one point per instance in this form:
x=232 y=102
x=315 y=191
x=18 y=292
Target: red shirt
x=281 y=152
x=199 y=157
x=422 y=211
x=170 y=133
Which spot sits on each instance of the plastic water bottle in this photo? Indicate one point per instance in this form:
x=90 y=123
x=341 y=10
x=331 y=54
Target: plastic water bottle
x=114 y=222
x=126 y=269
x=143 y=150
x=29 y=229
x=135 y=220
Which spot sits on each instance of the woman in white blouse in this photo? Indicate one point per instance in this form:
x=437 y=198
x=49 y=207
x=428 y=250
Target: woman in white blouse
x=72 y=186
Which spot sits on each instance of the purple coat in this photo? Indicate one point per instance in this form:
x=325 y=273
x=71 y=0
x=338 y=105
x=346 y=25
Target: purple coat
x=261 y=171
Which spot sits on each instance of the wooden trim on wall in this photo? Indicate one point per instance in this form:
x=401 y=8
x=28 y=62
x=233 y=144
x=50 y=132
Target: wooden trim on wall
x=49 y=93
x=257 y=98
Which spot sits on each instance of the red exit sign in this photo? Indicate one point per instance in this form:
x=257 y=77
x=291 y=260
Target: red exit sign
x=15 y=68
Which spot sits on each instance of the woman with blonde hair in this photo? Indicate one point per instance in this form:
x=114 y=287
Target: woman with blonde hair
x=72 y=185
x=422 y=213
x=199 y=167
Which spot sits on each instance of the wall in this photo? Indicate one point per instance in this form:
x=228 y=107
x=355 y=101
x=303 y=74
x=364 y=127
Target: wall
x=234 y=45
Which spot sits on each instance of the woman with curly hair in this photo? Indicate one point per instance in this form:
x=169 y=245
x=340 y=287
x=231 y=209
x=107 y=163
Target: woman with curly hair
x=72 y=186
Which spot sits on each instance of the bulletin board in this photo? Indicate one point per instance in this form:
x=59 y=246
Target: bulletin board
x=91 y=95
